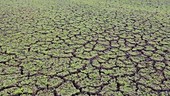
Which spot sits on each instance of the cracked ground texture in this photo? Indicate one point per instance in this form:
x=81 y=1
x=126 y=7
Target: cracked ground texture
x=74 y=48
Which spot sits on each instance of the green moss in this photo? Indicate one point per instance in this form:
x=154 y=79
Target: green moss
x=19 y=91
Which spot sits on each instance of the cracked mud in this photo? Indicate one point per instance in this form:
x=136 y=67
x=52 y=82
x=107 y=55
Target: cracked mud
x=79 y=50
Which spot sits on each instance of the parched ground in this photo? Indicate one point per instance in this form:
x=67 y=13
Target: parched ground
x=84 y=48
